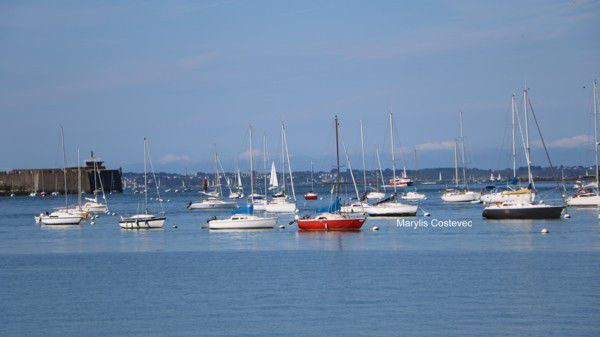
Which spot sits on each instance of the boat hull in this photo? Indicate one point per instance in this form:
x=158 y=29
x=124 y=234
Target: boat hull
x=468 y=197
x=141 y=223
x=311 y=196
x=213 y=206
x=524 y=213
x=331 y=224
x=288 y=207
x=508 y=197
x=584 y=201
x=392 y=210
x=262 y=223
x=61 y=220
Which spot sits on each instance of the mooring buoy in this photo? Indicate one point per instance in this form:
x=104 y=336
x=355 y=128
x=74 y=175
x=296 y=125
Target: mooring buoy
x=545 y=231
x=374 y=228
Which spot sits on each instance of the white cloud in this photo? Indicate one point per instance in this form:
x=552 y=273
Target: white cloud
x=246 y=154
x=174 y=158
x=443 y=145
x=572 y=142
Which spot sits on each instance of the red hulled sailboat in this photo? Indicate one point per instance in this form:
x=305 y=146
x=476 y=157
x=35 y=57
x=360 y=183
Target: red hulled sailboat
x=330 y=219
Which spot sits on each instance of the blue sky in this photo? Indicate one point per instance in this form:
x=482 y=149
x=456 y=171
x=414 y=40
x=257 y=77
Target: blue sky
x=190 y=74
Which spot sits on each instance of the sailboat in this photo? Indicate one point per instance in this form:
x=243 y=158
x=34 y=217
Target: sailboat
x=238 y=188
x=93 y=205
x=510 y=193
x=589 y=196
x=244 y=218
x=311 y=195
x=413 y=195
x=524 y=209
x=145 y=220
x=215 y=201
x=391 y=206
x=377 y=195
x=330 y=218
x=61 y=216
x=280 y=202
x=458 y=194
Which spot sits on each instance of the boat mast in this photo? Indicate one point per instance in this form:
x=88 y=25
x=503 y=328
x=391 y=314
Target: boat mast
x=393 y=150
x=312 y=177
x=62 y=141
x=287 y=153
x=456 y=163
x=595 y=94
x=380 y=170
x=78 y=180
x=527 y=148
x=462 y=144
x=251 y=169
x=217 y=178
x=362 y=145
x=264 y=164
x=514 y=152
x=282 y=161
x=337 y=153
x=145 y=176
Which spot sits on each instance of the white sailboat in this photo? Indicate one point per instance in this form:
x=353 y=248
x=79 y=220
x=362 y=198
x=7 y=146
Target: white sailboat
x=145 y=220
x=93 y=205
x=590 y=196
x=413 y=195
x=215 y=201
x=510 y=193
x=238 y=191
x=391 y=206
x=280 y=203
x=458 y=194
x=61 y=216
x=247 y=220
x=377 y=195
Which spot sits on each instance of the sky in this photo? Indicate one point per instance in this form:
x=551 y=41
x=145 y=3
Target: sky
x=190 y=74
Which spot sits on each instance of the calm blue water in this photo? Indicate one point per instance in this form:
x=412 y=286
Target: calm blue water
x=493 y=278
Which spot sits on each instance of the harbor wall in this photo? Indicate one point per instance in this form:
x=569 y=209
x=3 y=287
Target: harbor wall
x=26 y=181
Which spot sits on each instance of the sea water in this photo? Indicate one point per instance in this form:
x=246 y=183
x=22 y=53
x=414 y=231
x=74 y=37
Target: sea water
x=479 y=278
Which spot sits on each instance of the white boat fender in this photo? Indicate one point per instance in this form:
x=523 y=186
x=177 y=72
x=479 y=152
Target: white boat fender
x=545 y=231
x=375 y=228
x=296 y=217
